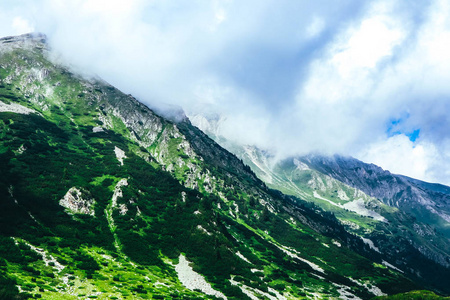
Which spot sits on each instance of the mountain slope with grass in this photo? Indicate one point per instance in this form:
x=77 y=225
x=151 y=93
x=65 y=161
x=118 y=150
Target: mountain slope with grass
x=102 y=198
x=403 y=219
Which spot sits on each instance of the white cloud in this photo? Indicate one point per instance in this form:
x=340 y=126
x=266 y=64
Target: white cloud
x=316 y=26
x=378 y=70
x=399 y=155
x=421 y=159
x=21 y=26
x=366 y=46
x=347 y=69
x=298 y=76
x=111 y=7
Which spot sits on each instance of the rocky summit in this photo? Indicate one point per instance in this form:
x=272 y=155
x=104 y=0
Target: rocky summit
x=103 y=198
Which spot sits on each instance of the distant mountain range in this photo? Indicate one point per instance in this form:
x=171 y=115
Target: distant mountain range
x=395 y=215
x=103 y=198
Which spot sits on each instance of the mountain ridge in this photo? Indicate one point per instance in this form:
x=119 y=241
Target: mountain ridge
x=101 y=197
x=355 y=192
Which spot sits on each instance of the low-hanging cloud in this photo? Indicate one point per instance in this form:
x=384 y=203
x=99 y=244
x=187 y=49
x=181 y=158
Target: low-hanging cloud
x=353 y=78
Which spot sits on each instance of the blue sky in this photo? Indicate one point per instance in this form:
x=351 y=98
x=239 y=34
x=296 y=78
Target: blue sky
x=292 y=76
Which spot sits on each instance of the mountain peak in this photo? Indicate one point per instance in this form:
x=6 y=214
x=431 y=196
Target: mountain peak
x=34 y=38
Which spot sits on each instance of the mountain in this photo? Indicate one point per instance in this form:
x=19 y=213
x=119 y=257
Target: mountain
x=103 y=198
x=427 y=202
x=404 y=219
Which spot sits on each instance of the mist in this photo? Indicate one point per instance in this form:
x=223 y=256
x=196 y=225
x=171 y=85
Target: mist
x=368 y=79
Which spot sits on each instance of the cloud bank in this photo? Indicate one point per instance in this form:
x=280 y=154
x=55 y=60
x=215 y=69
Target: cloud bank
x=363 y=78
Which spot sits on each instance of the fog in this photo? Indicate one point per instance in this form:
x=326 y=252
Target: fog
x=368 y=79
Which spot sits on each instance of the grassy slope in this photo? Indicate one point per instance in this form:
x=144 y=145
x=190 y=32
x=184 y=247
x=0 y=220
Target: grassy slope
x=293 y=177
x=414 y=295
x=44 y=156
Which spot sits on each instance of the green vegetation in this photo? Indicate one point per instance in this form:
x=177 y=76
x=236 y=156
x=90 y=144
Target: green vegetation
x=414 y=295
x=388 y=230
x=172 y=192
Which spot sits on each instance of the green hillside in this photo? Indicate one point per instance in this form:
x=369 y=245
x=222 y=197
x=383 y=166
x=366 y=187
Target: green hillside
x=101 y=198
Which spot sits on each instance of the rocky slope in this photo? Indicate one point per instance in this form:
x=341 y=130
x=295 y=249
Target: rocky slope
x=427 y=202
x=403 y=219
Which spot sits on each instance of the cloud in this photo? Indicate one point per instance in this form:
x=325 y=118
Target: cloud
x=404 y=156
x=315 y=27
x=294 y=76
x=418 y=159
x=21 y=26
x=381 y=68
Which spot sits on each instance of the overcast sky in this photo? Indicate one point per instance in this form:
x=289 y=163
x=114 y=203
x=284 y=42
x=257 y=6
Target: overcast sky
x=369 y=79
